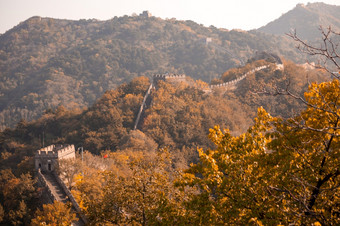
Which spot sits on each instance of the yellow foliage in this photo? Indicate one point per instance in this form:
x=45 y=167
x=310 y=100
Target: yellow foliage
x=278 y=172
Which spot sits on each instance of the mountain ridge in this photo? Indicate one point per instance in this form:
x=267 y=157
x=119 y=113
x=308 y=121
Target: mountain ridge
x=45 y=63
x=305 y=19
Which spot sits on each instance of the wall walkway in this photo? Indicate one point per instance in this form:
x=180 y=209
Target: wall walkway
x=57 y=191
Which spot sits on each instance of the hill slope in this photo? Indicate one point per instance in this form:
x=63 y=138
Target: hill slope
x=179 y=117
x=305 y=19
x=47 y=62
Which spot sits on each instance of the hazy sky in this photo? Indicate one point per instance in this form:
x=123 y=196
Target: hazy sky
x=243 y=14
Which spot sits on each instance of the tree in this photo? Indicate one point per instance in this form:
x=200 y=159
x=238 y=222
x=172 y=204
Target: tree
x=230 y=179
x=17 y=215
x=306 y=153
x=313 y=139
x=57 y=213
x=68 y=168
x=136 y=140
x=137 y=190
x=2 y=213
x=281 y=171
x=327 y=53
x=18 y=197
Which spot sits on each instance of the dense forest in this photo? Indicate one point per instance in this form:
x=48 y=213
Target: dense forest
x=45 y=62
x=177 y=122
x=180 y=115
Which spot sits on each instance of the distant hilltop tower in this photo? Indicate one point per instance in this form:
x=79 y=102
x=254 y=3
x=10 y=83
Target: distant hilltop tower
x=301 y=5
x=145 y=14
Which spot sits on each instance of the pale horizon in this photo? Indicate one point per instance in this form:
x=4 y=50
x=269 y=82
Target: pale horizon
x=243 y=14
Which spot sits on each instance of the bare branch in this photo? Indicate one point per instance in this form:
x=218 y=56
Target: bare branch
x=327 y=52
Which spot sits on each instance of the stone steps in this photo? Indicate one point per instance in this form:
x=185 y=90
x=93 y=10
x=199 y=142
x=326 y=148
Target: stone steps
x=56 y=189
x=60 y=194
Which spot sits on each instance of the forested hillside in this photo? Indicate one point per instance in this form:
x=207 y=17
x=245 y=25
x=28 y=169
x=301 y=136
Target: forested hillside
x=177 y=122
x=305 y=20
x=179 y=116
x=45 y=62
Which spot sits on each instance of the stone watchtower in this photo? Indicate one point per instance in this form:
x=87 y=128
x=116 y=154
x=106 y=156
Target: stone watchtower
x=46 y=159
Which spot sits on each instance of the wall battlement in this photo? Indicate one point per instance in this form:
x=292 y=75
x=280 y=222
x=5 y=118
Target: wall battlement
x=46 y=149
x=167 y=76
x=235 y=81
x=55 y=151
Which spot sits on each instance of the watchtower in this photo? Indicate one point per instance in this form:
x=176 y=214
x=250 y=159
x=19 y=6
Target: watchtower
x=145 y=14
x=168 y=77
x=46 y=159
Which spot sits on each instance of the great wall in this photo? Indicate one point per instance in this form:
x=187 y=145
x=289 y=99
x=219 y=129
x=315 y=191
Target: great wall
x=237 y=80
x=178 y=78
x=146 y=97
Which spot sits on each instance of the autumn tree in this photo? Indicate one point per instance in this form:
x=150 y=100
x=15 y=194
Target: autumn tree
x=68 y=168
x=311 y=141
x=281 y=171
x=2 y=213
x=136 y=190
x=230 y=179
x=54 y=214
x=18 y=197
x=305 y=153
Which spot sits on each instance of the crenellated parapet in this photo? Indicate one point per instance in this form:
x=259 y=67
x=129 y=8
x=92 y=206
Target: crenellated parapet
x=237 y=80
x=66 y=151
x=55 y=151
x=168 y=76
x=279 y=67
x=46 y=149
x=154 y=83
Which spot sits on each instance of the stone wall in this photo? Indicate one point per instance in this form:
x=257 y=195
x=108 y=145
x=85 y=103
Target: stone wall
x=156 y=78
x=143 y=106
x=168 y=76
x=235 y=81
x=70 y=196
x=48 y=194
x=66 y=152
